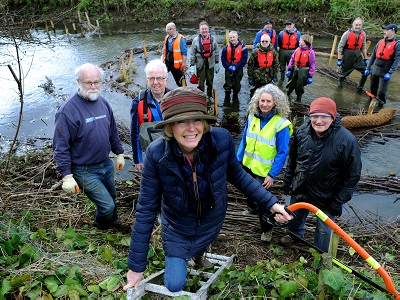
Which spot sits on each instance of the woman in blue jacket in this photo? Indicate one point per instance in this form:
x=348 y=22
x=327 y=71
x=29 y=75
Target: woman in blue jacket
x=185 y=176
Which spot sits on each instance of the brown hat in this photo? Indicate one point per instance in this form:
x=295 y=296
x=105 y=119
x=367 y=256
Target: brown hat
x=306 y=38
x=184 y=103
x=323 y=107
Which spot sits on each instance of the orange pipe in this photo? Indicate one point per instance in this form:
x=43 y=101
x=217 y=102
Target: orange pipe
x=369 y=259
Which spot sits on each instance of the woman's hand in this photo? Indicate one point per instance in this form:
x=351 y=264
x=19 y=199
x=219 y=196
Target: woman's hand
x=134 y=279
x=268 y=182
x=281 y=216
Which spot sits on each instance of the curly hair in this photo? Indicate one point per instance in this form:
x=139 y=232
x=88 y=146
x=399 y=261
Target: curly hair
x=281 y=101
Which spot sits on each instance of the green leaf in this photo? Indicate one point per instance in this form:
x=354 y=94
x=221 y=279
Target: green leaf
x=106 y=254
x=110 y=237
x=91 y=247
x=79 y=289
x=389 y=257
x=73 y=295
x=110 y=282
x=287 y=288
x=94 y=289
x=334 y=278
x=59 y=233
x=5 y=287
x=351 y=251
x=34 y=236
x=51 y=283
x=62 y=270
x=130 y=182
x=61 y=291
x=70 y=233
x=125 y=241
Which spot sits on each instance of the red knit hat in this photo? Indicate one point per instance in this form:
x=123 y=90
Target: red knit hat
x=323 y=106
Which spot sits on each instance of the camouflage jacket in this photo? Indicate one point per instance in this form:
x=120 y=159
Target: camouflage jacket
x=262 y=75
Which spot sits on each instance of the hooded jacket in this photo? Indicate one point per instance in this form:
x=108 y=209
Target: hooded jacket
x=324 y=171
x=163 y=187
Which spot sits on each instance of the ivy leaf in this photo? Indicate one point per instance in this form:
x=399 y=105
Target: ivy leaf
x=94 y=289
x=389 y=257
x=61 y=291
x=287 y=288
x=107 y=255
x=110 y=282
x=125 y=241
x=5 y=287
x=51 y=283
x=130 y=182
x=59 y=233
x=61 y=270
x=334 y=278
x=70 y=233
x=351 y=251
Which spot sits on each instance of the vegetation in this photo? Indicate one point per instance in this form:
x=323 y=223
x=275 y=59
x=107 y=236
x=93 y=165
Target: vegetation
x=339 y=13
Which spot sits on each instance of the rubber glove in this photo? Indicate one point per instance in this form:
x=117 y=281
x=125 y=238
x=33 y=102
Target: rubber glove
x=69 y=184
x=387 y=76
x=251 y=82
x=232 y=68
x=192 y=69
x=366 y=62
x=120 y=162
x=339 y=63
x=216 y=69
x=274 y=79
x=367 y=72
x=309 y=80
x=288 y=73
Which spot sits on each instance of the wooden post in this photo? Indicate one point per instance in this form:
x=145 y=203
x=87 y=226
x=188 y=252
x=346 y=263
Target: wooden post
x=97 y=23
x=52 y=26
x=226 y=36
x=215 y=102
x=366 y=47
x=333 y=49
x=130 y=59
x=371 y=104
x=144 y=50
x=311 y=39
x=79 y=16
x=66 y=31
x=333 y=245
x=74 y=27
x=325 y=263
x=123 y=68
x=88 y=20
x=46 y=28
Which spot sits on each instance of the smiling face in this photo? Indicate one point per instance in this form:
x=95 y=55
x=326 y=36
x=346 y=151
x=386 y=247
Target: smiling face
x=188 y=134
x=233 y=38
x=157 y=81
x=321 y=124
x=89 y=83
x=266 y=103
x=204 y=31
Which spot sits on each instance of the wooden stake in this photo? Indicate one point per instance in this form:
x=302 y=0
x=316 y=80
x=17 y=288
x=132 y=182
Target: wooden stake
x=88 y=20
x=52 y=26
x=372 y=103
x=79 y=16
x=333 y=245
x=144 y=51
x=123 y=68
x=215 y=102
x=226 y=36
x=98 y=24
x=367 y=46
x=46 y=27
x=74 y=27
x=130 y=59
x=311 y=38
x=333 y=48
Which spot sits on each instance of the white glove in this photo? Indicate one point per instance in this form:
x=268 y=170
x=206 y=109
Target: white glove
x=192 y=70
x=120 y=163
x=69 y=184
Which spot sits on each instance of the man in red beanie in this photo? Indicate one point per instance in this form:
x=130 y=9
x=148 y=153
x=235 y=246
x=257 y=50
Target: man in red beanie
x=324 y=167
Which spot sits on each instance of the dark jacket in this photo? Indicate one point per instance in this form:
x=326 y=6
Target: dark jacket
x=262 y=75
x=163 y=188
x=324 y=171
x=381 y=67
x=245 y=53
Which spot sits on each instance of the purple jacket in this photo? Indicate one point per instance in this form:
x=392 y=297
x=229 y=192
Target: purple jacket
x=311 y=59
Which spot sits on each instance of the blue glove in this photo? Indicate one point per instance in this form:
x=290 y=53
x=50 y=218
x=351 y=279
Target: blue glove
x=232 y=68
x=309 y=80
x=216 y=69
x=367 y=72
x=274 y=79
x=251 y=82
x=339 y=63
x=366 y=62
x=288 y=73
x=387 y=76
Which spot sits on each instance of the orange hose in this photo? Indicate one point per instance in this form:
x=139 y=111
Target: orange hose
x=369 y=259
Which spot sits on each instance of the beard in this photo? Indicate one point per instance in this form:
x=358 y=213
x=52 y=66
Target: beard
x=91 y=95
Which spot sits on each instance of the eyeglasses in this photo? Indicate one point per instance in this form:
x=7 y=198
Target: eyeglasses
x=264 y=41
x=88 y=83
x=159 y=79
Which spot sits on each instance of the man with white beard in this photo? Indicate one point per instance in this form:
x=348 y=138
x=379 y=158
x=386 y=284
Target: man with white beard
x=85 y=133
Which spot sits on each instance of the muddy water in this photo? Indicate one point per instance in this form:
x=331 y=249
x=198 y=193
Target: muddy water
x=58 y=56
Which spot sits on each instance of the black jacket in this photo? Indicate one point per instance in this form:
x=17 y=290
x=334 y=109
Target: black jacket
x=324 y=171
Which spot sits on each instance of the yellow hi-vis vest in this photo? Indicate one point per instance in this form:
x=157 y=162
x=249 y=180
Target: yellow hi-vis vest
x=260 y=148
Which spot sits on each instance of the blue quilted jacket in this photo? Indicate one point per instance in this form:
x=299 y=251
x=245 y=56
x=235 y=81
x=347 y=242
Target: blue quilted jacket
x=164 y=189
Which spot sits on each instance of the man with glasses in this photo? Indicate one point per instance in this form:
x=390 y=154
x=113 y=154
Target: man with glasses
x=175 y=53
x=157 y=79
x=85 y=133
x=263 y=64
x=323 y=168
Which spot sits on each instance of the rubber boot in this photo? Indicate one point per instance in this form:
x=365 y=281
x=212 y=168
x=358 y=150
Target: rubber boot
x=340 y=83
x=298 y=98
x=360 y=85
x=201 y=260
x=235 y=97
x=227 y=95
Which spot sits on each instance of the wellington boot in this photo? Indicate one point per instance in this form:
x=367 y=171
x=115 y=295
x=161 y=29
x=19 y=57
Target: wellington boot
x=340 y=83
x=361 y=83
x=227 y=95
x=201 y=260
x=235 y=97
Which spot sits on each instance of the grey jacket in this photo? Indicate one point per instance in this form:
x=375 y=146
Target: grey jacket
x=196 y=57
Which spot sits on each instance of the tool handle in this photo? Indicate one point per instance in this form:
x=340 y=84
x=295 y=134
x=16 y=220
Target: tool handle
x=271 y=219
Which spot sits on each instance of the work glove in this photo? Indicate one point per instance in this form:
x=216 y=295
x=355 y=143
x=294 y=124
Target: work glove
x=339 y=63
x=192 y=69
x=216 y=69
x=387 y=76
x=309 y=80
x=367 y=72
x=232 y=68
x=366 y=62
x=288 y=73
x=69 y=184
x=274 y=79
x=120 y=162
x=251 y=82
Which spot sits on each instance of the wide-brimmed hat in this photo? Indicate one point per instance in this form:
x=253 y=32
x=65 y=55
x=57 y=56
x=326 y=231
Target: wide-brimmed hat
x=184 y=103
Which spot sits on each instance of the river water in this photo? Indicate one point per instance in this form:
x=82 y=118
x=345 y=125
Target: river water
x=58 y=55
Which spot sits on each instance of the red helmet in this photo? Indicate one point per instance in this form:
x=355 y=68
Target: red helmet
x=193 y=79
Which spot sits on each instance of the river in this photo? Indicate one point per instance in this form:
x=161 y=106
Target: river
x=56 y=55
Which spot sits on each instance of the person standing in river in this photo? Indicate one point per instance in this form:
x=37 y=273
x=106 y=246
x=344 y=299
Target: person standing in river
x=323 y=168
x=85 y=132
x=204 y=58
x=352 y=53
x=385 y=60
x=267 y=29
x=233 y=58
x=175 y=53
x=288 y=41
